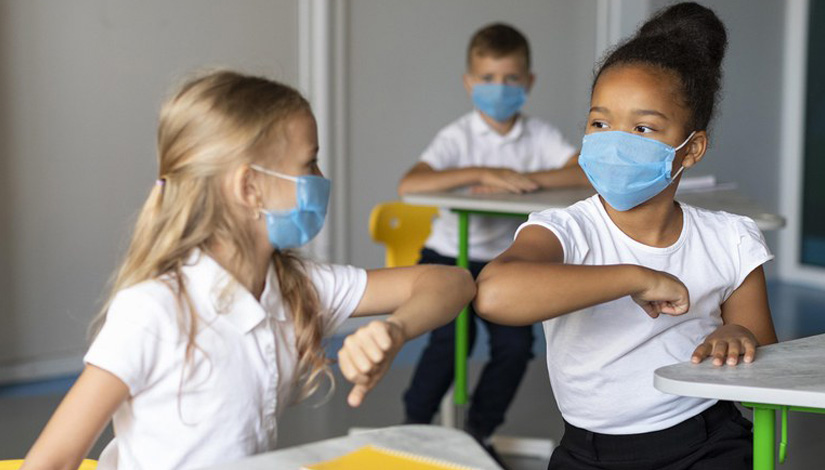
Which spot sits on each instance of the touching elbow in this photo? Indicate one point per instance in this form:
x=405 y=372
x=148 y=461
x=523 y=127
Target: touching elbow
x=465 y=285
x=488 y=302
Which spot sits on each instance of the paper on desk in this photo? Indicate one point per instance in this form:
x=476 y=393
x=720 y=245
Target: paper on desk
x=702 y=183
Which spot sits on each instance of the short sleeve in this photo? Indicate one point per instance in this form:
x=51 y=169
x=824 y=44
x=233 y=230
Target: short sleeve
x=566 y=228
x=443 y=152
x=751 y=247
x=340 y=289
x=130 y=342
x=555 y=149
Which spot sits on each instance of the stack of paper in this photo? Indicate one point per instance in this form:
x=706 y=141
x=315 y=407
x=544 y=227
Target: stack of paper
x=702 y=183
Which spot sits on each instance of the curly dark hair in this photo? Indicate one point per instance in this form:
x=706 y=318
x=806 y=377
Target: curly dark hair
x=688 y=40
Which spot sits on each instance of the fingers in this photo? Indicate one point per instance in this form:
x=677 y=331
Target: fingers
x=720 y=349
x=485 y=189
x=700 y=353
x=733 y=353
x=357 y=354
x=726 y=344
x=750 y=351
x=677 y=307
x=511 y=181
x=367 y=348
x=366 y=356
x=356 y=396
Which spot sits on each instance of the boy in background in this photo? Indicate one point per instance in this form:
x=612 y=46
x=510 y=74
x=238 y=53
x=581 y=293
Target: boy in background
x=493 y=148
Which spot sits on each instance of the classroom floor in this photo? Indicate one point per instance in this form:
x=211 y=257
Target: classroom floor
x=798 y=312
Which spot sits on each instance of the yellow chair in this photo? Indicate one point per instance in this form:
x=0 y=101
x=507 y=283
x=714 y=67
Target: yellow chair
x=15 y=464
x=403 y=229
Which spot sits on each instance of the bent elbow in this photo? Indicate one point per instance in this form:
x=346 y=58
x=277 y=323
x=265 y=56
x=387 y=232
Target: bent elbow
x=465 y=285
x=489 y=303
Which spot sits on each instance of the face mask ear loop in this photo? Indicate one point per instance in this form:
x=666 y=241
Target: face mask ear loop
x=672 y=178
x=685 y=142
x=274 y=173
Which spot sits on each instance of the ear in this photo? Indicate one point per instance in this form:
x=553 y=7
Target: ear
x=244 y=188
x=695 y=149
x=530 y=80
x=466 y=78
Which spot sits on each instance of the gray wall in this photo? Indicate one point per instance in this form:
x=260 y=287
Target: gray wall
x=406 y=62
x=81 y=84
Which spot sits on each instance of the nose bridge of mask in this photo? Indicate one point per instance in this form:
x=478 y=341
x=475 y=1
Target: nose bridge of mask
x=313 y=193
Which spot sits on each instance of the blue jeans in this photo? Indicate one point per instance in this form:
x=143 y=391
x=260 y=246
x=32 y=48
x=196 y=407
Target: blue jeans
x=510 y=350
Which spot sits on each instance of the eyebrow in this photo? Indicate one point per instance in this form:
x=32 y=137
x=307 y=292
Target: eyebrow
x=643 y=112
x=637 y=112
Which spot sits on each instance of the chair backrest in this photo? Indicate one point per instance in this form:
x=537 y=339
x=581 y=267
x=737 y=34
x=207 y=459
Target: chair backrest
x=15 y=464
x=403 y=229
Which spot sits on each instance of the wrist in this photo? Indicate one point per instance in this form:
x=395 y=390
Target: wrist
x=639 y=278
x=397 y=329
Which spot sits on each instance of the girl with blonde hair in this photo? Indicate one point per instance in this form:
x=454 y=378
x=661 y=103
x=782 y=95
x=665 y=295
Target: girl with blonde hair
x=214 y=325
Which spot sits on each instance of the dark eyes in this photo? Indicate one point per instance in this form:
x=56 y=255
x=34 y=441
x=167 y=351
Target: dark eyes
x=509 y=79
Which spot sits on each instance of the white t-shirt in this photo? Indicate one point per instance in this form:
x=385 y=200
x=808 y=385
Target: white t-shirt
x=531 y=145
x=226 y=405
x=601 y=359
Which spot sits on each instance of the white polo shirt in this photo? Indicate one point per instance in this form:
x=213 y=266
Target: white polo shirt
x=223 y=405
x=531 y=145
x=601 y=359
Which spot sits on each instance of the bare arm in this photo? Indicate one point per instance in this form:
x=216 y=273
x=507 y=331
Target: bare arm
x=570 y=175
x=422 y=178
x=78 y=421
x=421 y=298
x=529 y=283
x=747 y=324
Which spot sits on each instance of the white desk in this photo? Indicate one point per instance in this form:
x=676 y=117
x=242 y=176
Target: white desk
x=784 y=376
x=430 y=441
x=726 y=200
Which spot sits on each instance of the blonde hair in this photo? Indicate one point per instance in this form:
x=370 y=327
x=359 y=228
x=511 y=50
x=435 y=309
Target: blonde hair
x=213 y=125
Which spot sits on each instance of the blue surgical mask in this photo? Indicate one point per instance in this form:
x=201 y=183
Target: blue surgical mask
x=297 y=226
x=499 y=101
x=627 y=169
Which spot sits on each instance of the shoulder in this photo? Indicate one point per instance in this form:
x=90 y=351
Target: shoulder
x=574 y=226
x=579 y=215
x=150 y=305
x=460 y=128
x=723 y=224
x=340 y=289
x=541 y=128
x=329 y=279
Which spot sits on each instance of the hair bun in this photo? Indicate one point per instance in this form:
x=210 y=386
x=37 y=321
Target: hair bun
x=691 y=25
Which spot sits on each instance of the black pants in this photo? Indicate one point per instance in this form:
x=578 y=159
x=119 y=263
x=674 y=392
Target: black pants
x=718 y=438
x=510 y=350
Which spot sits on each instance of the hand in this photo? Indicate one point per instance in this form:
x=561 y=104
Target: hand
x=481 y=189
x=508 y=180
x=663 y=293
x=728 y=340
x=367 y=354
